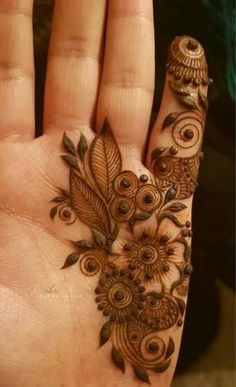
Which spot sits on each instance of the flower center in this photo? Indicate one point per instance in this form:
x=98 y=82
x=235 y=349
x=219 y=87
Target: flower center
x=119 y=295
x=153 y=347
x=123 y=207
x=148 y=198
x=126 y=183
x=188 y=134
x=148 y=254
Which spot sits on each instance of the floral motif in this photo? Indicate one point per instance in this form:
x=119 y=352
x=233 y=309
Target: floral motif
x=119 y=295
x=142 y=270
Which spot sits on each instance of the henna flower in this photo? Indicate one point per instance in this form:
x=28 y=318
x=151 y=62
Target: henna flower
x=153 y=256
x=122 y=209
x=126 y=184
x=148 y=198
x=119 y=295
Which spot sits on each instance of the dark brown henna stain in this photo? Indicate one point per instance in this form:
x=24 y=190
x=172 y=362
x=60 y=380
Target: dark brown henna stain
x=110 y=200
x=188 y=73
x=187 y=62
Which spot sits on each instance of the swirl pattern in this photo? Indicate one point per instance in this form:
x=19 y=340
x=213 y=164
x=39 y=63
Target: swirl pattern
x=187 y=130
x=148 y=198
x=122 y=208
x=140 y=232
x=126 y=184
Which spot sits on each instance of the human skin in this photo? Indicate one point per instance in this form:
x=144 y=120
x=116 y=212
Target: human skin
x=100 y=66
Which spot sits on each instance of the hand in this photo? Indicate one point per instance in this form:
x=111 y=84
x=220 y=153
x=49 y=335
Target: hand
x=116 y=218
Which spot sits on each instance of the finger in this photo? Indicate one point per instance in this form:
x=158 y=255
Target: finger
x=127 y=85
x=16 y=70
x=173 y=156
x=176 y=138
x=74 y=63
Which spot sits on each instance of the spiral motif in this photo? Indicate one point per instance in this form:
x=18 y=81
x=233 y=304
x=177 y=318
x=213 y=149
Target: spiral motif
x=152 y=347
x=126 y=184
x=138 y=343
x=92 y=263
x=122 y=209
x=66 y=214
x=187 y=130
x=148 y=197
x=120 y=296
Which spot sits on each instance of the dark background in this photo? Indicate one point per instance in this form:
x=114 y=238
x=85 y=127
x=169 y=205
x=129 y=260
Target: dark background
x=210 y=308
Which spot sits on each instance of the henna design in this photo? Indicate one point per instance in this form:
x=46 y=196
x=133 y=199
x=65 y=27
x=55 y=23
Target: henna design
x=129 y=261
x=186 y=61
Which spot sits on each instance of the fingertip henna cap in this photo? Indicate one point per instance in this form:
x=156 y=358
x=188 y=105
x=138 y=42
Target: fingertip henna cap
x=187 y=62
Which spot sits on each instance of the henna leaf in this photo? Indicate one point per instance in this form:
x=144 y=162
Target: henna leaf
x=187 y=253
x=105 y=160
x=188 y=102
x=70 y=160
x=68 y=144
x=112 y=238
x=142 y=216
x=170 y=348
x=118 y=359
x=83 y=244
x=53 y=212
x=105 y=333
x=169 y=119
x=177 y=206
x=179 y=90
x=141 y=374
x=82 y=147
x=87 y=205
x=99 y=238
x=161 y=367
x=181 y=305
x=157 y=152
x=203 y=101
x=170 y=194
x=115 y=233
x=71 y=260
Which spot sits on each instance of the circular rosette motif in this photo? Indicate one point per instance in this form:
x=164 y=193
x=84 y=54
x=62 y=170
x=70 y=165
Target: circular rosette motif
x=167 y=170
x=126 y=184
x=139 y=343
x=92 y=262
x=146 y=256
x=187 y=130
x=122 y=209
x=160 y=312
x=119 y=295
x=186 y=60
x=66 y=214
x=148 y=197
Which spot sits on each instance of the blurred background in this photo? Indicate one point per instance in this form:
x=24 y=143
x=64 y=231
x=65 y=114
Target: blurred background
x=207 y=356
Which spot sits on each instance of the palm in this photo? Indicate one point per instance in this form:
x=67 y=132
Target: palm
x=47 y=311
x=49 y=325
x=42 y=305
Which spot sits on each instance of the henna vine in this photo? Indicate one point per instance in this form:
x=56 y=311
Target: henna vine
x=131 y=261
